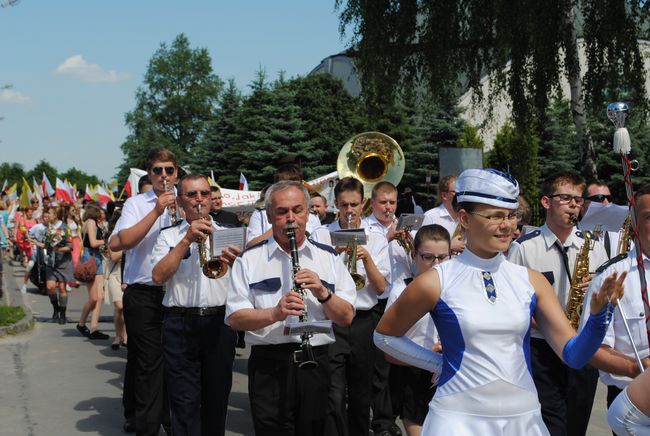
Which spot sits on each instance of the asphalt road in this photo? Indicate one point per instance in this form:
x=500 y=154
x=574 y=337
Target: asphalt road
x=55 y=382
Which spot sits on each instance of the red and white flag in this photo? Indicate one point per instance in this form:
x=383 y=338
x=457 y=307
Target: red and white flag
x=62 y=191
x=103 y=195
x=48 y=191
x=5 y=186
x=243 y=183
x=127 y=188
x=88 y=194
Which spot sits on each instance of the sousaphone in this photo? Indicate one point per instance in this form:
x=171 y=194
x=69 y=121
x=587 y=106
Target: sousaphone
x=371 y=157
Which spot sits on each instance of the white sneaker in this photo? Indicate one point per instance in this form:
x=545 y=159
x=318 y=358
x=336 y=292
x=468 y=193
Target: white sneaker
x=23 y=289
x=68 y=288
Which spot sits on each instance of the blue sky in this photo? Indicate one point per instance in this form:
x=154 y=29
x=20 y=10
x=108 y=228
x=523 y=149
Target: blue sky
x=74 y=65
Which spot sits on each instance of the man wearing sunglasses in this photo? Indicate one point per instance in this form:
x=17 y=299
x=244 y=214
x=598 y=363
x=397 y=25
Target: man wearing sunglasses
x=597 y=191
x=566 y=394
x=198 y=348
x=136 y=232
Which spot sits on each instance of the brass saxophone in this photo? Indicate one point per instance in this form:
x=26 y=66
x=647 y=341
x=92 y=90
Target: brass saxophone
x=626 y=236
x=304 y=357
x=359 y=280
x=576 y=298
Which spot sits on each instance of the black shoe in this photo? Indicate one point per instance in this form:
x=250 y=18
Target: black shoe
x=55 y=315
x=98 y=335
x=168 y=429
x=129 y=426
x=83 y=330
x=62 y=318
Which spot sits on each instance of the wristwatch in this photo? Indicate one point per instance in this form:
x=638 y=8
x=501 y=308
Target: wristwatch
x=326 y=299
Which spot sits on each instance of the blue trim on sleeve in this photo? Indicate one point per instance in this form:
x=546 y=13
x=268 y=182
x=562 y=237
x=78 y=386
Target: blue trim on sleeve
x=329 y=286
x=579 y=349
x=267 y=285
x=451 y=336
x=526 y=344
x=323 y=247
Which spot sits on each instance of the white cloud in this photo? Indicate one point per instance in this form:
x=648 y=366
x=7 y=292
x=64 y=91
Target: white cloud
x=76 y=66
x=15 y=97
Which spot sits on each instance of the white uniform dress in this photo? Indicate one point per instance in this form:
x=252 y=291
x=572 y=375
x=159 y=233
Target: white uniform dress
x=483 y=318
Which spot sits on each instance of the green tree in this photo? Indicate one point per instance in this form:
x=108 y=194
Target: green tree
x=37 y=172
x=79 y=178
x=217 y=151
x=174 y=105
x=558 y=150
x=12 y=172
x=469 y=138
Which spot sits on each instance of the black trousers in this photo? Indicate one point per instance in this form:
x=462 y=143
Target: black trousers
x=198 y=353
x=144 y=364
x=382 y=406
x=285 y=399
x=352 y=357
x=566 y=394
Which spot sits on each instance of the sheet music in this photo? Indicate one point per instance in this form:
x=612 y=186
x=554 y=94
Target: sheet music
x=610 y=217
x=224 y=238
x=344 y=237
x=412 y=220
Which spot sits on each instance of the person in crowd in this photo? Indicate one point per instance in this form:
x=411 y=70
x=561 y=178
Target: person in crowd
x=24 y=221
x=58 y=261
x=445 y=215
x=318 y=207
x=220 y=216
x=616 y=359
x=36 y=235
x=144 y=184
x=483 y=307
x=93 y=240
x=74 y=224
x=259 y=227
x=286 y=399
x=353 y=353
x=431 y=246
x=136 y=232
x=597 y=191
x=198 y=348
x=5 y=240
x=113 y=285
x=524 y=216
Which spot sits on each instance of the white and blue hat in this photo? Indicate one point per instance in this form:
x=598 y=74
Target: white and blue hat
x=487 y=186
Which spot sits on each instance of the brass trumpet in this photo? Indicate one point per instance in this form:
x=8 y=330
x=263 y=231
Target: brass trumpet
x=359 y=280
x=212 y=267
x=173 y=216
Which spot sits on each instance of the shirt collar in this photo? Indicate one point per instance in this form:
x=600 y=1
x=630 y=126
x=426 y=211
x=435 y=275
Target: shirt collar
x=443 y=210
x=273 y=247
x=550 y=237
x=150 y=195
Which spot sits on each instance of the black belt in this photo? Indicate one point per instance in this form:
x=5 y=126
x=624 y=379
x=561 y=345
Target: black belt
x=284 y=351
x=200 y=311
x=144 y=287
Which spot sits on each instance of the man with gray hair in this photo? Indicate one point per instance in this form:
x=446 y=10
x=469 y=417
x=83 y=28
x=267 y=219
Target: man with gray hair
x=286 y=399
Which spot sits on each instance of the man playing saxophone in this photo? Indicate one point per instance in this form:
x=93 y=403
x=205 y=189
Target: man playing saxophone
x=566 y=394
x=285 y=398
x=198 y=348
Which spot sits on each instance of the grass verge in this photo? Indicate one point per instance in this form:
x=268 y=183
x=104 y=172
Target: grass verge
x=10 y=315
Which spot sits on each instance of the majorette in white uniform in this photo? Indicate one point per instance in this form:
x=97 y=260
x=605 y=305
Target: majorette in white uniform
x=483 y=318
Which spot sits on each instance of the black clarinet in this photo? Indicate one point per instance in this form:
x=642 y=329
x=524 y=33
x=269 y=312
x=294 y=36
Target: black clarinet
x=305 y=356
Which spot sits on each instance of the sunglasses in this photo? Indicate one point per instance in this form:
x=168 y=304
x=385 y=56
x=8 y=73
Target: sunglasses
x=599 y=198
x=193 y=194
x=432 y=257
x=158 y=170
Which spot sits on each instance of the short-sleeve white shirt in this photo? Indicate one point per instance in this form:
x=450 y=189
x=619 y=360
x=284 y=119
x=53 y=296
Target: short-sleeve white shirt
x=441 y=216
x=262 y=274
x=188 y=287
x=616 y=336
x=138 y=267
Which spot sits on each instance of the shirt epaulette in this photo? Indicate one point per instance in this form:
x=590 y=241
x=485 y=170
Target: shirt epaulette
x=581 y=235
x=611 y=262
x=254 y=246
x=172 y=226
x=323 y=246
x=528 y=236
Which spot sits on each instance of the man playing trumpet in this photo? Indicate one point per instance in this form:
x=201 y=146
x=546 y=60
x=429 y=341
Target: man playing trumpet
x=286 y=399
x=198 y=348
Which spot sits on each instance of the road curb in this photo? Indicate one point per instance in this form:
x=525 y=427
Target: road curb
x=25 y=324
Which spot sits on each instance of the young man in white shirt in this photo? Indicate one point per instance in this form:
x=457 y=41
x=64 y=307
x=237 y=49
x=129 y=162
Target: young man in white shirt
x=445 y=215
x=136 y=232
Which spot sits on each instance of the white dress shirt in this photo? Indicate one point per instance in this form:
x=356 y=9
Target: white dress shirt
x=377 y=247
x=441 y=216
x=189 y=287
x=258 y=224
x=262 y=274
x=634 y=309
x=538 y=250
x=138 y=266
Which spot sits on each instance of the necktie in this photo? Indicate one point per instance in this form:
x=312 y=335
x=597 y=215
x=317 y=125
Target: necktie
x=565 y=258
x=490 y=290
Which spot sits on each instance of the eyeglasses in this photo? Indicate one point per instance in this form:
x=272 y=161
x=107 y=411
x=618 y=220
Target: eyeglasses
x=599 y=198
x=566 y=198
x=497 y=219
x=427 y=257
x=158 y=170
x=193 y=194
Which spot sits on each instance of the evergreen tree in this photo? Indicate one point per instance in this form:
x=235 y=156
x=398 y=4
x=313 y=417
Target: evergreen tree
x=217 y=151
x=12 y=172
x=558 y=150
x=469 y=138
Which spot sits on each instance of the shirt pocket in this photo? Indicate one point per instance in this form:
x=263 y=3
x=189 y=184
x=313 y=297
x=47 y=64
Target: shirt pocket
x=636 y=322
x=265 y=292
